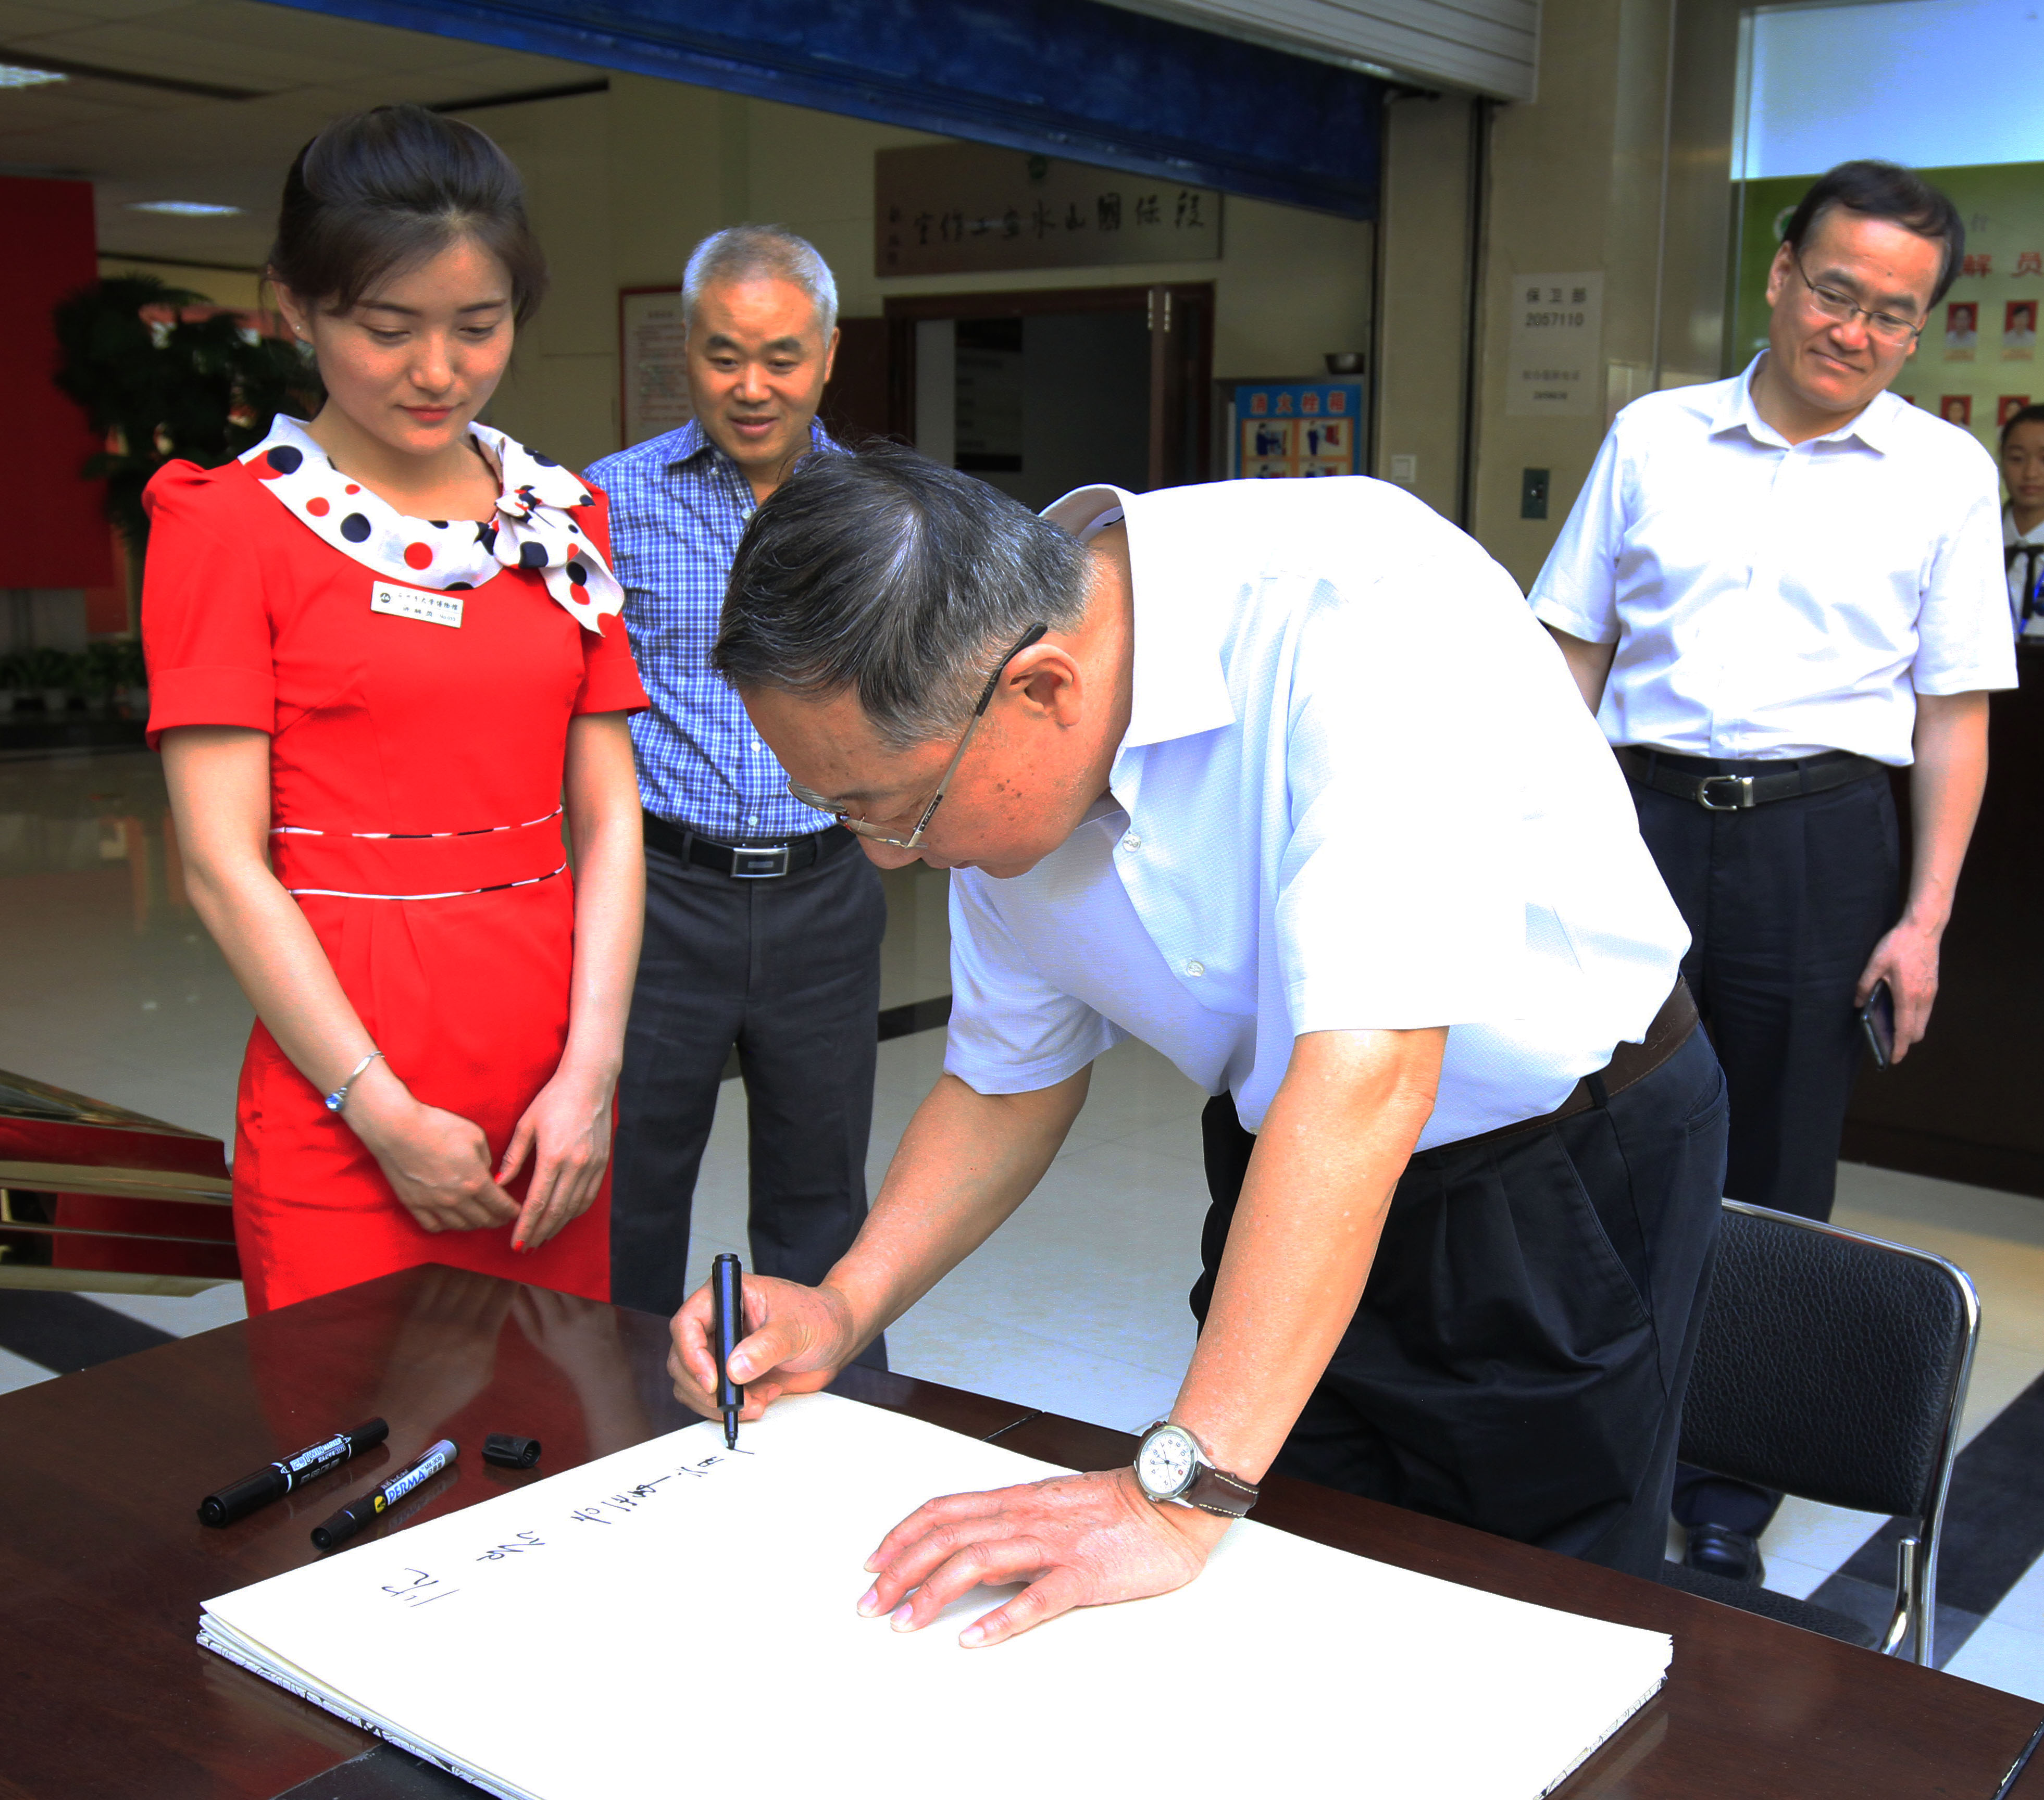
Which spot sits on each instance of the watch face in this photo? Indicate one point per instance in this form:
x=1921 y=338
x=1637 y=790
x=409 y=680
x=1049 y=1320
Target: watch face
x=1167 y=1462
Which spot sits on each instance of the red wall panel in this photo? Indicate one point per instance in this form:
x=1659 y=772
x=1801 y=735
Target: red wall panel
x=59 y=538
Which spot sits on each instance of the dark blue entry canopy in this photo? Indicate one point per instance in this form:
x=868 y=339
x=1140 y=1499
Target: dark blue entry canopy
x=1073 y=78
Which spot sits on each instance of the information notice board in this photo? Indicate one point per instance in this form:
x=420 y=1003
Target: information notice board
x=1294 y=428
x=652 y=363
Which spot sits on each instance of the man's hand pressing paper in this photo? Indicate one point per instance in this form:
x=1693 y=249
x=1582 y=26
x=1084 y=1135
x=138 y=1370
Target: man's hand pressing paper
x=1077 y=1540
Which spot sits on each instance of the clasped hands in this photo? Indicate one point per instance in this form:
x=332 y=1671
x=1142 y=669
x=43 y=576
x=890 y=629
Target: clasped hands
x=439 y=1162
x=1075 y=1540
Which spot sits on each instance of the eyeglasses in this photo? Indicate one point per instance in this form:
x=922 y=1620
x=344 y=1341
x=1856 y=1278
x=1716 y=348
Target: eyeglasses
x=876 y=834
x=1833 y=304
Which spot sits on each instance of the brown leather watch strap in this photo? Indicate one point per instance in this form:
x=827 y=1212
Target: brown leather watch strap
x=1215 y=1491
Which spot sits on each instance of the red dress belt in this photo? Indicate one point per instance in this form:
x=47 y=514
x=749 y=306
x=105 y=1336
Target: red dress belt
x=421 y=865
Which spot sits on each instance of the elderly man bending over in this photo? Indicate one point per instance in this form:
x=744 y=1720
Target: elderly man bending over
x=1281 y=778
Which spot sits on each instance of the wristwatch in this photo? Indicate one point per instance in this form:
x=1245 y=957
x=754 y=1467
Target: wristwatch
x=1172 y=1465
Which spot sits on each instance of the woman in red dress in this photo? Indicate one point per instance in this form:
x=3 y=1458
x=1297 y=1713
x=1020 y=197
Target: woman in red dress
x=385 y=662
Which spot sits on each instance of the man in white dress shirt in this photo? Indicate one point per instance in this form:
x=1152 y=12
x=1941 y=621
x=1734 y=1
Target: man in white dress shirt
x=1281 y=778
x=1772 y=590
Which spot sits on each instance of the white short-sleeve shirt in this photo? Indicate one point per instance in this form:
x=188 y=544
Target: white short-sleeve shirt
x=1359 y=791
x=1770 y=599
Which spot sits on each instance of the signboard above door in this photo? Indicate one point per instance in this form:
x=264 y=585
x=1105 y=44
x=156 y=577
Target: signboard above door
x=957 y=209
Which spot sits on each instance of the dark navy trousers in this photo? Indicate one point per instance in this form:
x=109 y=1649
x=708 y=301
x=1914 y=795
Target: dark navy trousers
x=1517 y=1360
x=1784 y=904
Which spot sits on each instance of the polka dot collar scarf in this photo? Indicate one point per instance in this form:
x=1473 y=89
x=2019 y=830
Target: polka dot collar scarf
x=532 y=529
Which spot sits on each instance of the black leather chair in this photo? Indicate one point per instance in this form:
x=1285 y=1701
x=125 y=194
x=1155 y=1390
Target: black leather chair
x=1834 y=1366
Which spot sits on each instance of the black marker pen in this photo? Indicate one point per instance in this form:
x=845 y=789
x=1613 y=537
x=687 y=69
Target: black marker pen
x=238 y=1498
x=350 y=1519
x=726 y=1303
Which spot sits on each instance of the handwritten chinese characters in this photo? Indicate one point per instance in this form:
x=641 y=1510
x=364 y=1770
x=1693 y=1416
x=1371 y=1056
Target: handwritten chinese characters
x=947 y=209
x=417 y=1588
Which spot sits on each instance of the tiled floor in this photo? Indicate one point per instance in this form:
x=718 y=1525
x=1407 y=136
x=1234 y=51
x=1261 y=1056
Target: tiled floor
x=1077 y=1305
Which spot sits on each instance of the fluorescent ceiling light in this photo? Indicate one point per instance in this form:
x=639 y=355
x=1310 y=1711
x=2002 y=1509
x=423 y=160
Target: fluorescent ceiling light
x=182 y=208
x=13 y=75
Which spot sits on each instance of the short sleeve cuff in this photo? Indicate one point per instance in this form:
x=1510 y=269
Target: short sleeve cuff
x=1977 y=680
x=1551 y=611
x=611 y=690
x=983 y=1067
x=220 y=695
x=1436 y=998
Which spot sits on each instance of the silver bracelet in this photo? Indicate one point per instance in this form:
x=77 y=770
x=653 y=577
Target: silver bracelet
x=338 y=1099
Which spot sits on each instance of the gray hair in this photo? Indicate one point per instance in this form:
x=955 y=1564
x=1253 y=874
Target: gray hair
x=751 y=253
x=894 y=578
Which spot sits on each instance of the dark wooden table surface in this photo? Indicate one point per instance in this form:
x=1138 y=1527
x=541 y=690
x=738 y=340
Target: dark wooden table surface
x=103 y=1563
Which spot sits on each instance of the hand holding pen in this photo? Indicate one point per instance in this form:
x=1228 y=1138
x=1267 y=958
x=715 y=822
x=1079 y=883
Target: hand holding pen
x=797 y=1339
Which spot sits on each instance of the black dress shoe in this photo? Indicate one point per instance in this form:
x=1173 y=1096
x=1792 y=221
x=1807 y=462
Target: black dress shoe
x=1717 y=1549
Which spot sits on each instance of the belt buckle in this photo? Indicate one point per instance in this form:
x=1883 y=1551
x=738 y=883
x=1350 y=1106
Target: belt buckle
x=761 y=864
x=1742 y=787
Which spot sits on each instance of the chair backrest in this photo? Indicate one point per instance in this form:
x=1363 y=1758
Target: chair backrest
x=1831 y=1365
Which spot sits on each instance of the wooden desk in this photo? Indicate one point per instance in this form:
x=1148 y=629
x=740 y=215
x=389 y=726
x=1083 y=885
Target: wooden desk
x=103 y=1563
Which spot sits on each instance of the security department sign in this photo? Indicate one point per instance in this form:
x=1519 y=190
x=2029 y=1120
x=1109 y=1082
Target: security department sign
x=949 y=208
x=1557 y=333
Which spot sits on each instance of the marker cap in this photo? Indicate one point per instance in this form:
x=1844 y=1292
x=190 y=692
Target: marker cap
x=342 y=1526
x=238 y=1498
x=507 y=1452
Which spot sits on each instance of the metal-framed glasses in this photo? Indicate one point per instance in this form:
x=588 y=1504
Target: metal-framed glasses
x=878 y=833
x=1833 y=303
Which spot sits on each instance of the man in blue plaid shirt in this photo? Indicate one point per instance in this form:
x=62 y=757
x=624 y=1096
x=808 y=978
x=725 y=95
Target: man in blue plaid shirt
x=763 y=924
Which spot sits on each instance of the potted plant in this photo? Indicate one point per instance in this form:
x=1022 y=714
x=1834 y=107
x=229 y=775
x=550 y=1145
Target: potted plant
x=163 y=373
x=51 y=676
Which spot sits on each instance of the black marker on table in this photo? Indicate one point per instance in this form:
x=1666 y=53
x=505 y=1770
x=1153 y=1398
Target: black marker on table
x=726 y=1300
x=2021 y=1763
x=350 y=1519
x=238 y=1498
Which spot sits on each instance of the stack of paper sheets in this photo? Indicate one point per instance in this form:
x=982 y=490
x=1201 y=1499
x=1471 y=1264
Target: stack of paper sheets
x=677 y=1618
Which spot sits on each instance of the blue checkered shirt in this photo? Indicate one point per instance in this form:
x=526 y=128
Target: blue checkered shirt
x=679 y=506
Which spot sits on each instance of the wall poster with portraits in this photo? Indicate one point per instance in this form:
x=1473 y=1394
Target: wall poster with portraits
x=1976 y=361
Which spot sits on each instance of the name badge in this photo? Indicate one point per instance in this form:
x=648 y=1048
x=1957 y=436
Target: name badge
x=415 y=603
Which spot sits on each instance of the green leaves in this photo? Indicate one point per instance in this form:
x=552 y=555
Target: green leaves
x=164 y=385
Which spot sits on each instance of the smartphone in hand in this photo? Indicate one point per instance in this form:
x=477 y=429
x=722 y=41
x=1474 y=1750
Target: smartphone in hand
x=1877 y=1019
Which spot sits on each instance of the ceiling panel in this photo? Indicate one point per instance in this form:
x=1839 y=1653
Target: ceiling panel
x=85 y=11
x=137 y=143
x=21 y=131
x=153 y=47
x=37 y=108
x=312 y=41
x=20 y=20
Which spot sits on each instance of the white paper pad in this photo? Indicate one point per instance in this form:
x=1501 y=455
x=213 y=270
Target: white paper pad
x=674 y=1619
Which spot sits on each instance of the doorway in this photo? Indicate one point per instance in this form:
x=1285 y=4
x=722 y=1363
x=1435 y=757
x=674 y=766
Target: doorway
x=1038 y=392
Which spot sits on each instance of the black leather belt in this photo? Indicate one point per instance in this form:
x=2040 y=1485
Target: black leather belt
x=1629 y=1063
x=1718 y=786
x=759 y=859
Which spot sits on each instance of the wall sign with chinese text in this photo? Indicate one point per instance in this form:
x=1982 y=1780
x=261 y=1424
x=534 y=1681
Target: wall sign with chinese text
x=953 y=208
x=651 y=362
x=1556 y=346
x=1294 y=428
